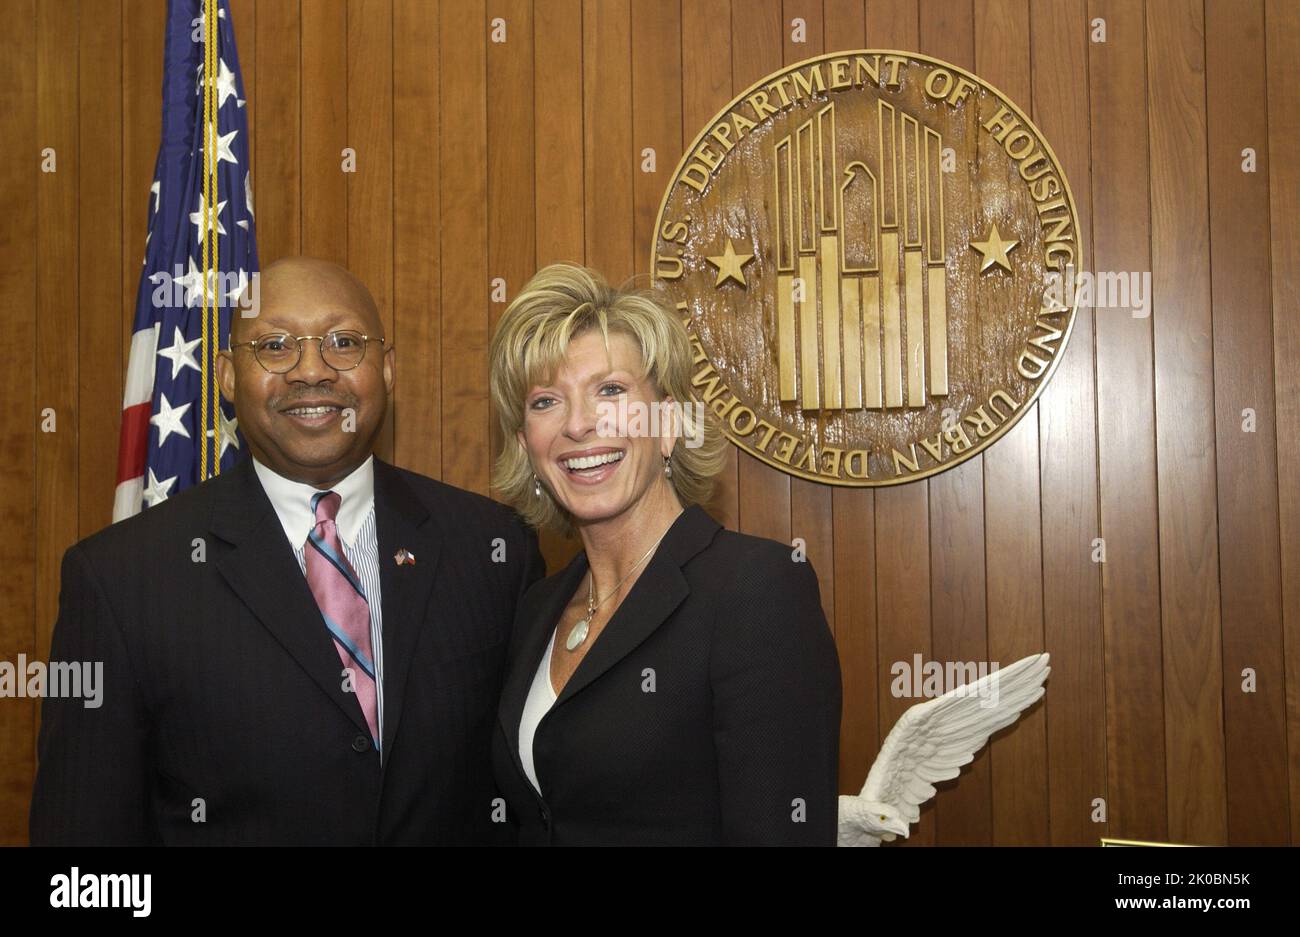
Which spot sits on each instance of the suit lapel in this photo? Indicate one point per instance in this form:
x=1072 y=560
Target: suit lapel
x=402 y=522
x=657 y=593
x=261 y=569
x=535 y=625
x=655 y=596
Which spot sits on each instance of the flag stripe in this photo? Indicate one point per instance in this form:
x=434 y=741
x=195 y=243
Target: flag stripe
x=140 y=367
x=134 y=442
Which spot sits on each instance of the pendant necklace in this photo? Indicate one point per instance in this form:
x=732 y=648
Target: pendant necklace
x=581 y=629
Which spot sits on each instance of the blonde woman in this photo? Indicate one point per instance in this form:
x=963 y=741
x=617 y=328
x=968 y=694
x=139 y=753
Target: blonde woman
x=677 y=682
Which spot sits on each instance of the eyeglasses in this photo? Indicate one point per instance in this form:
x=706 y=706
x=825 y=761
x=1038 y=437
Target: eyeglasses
x=280 y=353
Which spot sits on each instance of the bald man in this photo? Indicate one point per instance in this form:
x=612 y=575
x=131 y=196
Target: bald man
x=307 y=648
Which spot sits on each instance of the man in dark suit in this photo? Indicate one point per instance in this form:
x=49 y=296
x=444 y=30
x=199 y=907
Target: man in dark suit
x=308 y=648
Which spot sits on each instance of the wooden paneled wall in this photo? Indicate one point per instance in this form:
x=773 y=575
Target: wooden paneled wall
x=478 y=159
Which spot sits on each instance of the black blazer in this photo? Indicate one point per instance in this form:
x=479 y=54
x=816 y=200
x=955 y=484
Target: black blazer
x=224 y=719
x=706 y=712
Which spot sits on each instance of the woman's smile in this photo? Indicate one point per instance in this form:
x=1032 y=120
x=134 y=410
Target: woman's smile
x=593 y=466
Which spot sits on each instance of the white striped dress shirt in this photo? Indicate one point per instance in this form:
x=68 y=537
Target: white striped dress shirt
x=357 y=532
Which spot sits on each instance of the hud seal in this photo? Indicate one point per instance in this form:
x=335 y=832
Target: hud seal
x=869 y=250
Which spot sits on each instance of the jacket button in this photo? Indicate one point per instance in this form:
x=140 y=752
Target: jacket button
x=361 y=744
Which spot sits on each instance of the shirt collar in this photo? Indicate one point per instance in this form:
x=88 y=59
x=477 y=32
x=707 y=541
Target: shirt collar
x=292 y=501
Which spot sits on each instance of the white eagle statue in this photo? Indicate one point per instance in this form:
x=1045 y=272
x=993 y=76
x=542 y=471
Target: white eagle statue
x=931 y=742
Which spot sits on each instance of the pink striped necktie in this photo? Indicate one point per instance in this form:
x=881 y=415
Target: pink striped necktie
x=342 y=603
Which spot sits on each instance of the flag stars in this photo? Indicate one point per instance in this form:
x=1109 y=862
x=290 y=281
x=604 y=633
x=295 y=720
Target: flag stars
x=168 y=419
x=236 y=291
x=196 y=217
x=229 y=433
x=192 y=283
x=157 y=491
x=222 y=146
x=225 y=83
x=180 y=353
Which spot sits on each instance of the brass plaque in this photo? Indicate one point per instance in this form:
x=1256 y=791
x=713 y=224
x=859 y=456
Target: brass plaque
x=870 y=252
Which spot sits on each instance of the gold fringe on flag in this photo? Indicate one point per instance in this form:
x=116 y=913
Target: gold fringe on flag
x=210 y=407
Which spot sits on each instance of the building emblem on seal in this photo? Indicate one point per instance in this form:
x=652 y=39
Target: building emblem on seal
x=871 y=251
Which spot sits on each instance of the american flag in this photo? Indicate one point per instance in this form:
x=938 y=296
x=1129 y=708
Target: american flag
x=163 y=433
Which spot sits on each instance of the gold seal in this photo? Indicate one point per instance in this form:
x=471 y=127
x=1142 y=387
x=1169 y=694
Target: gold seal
x=873 y=253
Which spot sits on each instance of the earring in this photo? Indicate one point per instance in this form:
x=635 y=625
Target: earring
x=537 y=487
x=668 y=468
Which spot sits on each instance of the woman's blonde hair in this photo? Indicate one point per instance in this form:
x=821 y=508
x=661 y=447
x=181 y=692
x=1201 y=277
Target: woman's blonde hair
x=560 y=303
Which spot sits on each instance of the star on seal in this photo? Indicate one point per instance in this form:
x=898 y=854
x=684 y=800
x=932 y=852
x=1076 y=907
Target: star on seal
x=730 y=265
x=994 y=248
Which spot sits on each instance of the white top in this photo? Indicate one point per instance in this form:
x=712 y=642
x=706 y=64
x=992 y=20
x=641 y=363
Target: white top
x=356 y=526
x=541 y=697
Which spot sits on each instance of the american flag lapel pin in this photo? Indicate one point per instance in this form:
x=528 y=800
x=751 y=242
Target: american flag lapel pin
x=404 y=557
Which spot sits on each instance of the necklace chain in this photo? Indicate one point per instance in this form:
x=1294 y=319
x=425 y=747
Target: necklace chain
x=579 y=632
x=591 y=578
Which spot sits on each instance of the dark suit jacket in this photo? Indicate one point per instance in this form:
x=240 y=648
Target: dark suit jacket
x=741 y=725
x=222 y=690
